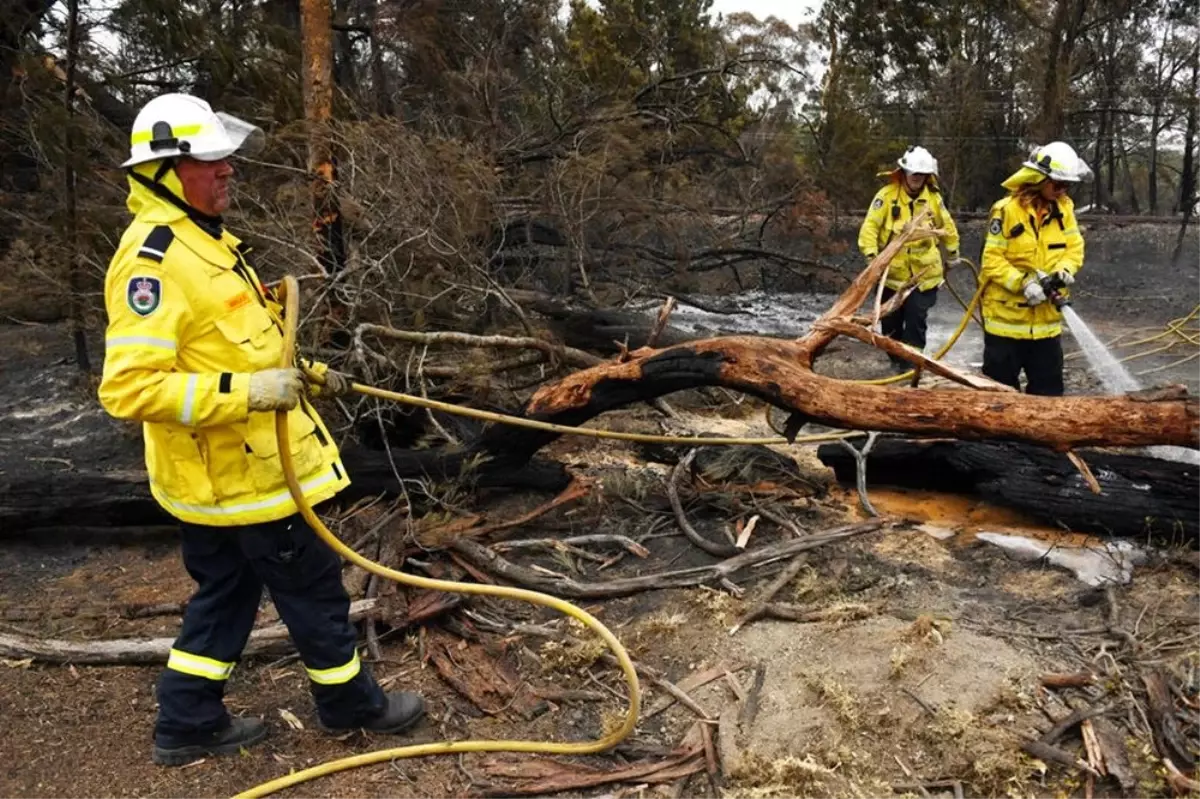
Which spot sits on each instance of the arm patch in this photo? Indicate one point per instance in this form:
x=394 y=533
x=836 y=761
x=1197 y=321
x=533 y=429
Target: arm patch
x=996 y=226
x=143 y=294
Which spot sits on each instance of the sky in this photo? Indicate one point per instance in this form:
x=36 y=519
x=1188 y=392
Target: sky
x=791 y=11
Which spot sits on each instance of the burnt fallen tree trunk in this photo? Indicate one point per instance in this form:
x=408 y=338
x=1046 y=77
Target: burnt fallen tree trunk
x=1142 y=497
x=777 y=371
x=60 y=501
x=604 y=330
x=774 y=370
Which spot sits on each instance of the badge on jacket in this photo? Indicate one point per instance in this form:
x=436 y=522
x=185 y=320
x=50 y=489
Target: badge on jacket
x=144 y=294
x=995 y=227
x=877 y=204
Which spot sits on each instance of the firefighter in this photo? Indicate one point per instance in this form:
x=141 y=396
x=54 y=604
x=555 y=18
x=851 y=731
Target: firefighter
x=192 y=352
x=1032 y=246
x=911 y=188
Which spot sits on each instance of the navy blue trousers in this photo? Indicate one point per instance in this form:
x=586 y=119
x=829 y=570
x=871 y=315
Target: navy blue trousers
x=910 y=321
x=1041 y=359
x=231 y=565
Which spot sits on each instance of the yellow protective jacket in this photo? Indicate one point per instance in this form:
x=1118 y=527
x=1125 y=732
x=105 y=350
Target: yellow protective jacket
x=1019 y=243
x=188 y=322
x=890 y=211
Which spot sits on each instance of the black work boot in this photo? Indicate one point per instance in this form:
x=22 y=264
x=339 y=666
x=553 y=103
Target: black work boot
x=240 y=733
x=403 y=710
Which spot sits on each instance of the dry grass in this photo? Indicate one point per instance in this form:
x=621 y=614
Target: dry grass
x=758 y=777
x=846 y=706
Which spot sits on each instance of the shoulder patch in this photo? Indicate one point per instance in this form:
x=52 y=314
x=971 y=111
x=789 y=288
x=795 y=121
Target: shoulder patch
x=877 y=204
x=155 y=246
x=996 y=226
x=143 y=294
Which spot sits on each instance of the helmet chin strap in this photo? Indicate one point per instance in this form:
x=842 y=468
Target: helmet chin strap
x=209 y=224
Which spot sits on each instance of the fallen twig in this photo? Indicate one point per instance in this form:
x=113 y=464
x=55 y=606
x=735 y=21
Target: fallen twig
x=1053 y=754
x=892 y=347
x=578 y=488
x=954 y=785
x=567 y=355
x=789 y=612
x=711 y=547
x=1114 y=620
x=1074 y=680
x=909 y=773
x=129 y=611
x=911 y=694
x=540 y=776
x=1061 y=728
x=1182 y=784
x=674 y=690
x=860 y=471
x=776 y=585
x=1171 y=743
x=743 y=537
x=1084 y=470
x=750 y=707
x=783 y=521
x=484 y=558
x=730 y=755
x=691 y=683
x=660 y=322
x=624 y=541
x=124 y=651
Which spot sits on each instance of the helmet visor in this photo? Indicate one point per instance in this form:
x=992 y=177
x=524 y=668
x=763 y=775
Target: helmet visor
x=242 y=137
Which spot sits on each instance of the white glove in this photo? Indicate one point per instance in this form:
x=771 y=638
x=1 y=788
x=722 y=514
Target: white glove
x=275 y=389
x=1066 y=277
x=1034 y=294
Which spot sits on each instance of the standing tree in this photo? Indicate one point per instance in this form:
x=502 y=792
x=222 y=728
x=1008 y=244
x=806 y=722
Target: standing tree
x=316 y=25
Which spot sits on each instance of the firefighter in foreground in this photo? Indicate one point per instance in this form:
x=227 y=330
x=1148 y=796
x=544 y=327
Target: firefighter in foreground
x=192 y=349
x=912 y=187
x=1032 y=251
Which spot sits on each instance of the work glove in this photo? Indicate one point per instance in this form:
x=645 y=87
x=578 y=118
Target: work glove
x=1066 y=277
x=326 y=382
x=275 y=389
x=1034 y=294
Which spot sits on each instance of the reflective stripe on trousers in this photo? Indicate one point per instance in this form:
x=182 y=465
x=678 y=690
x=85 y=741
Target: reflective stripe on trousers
x=198 y=665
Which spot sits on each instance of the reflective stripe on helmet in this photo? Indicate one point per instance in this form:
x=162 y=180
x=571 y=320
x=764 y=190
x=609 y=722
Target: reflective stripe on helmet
x=143 y=136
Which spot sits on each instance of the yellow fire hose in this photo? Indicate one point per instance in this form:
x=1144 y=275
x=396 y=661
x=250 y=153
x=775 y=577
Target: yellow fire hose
x=292 y=305
x=290 y=294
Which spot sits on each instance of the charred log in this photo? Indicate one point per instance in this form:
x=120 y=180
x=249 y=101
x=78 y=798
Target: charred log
x=36 y=500
x=1139 y=496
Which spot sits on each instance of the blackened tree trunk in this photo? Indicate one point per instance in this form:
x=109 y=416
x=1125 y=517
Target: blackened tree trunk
x=1187 y=187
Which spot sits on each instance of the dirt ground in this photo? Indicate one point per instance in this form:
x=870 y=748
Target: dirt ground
x=924 y=668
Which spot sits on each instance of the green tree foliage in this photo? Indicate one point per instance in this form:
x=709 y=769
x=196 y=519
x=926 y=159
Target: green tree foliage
x=625 y=127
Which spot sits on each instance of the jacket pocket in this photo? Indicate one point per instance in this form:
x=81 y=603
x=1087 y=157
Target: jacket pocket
x=251 y=330
x=262 y=445
x=178 y=468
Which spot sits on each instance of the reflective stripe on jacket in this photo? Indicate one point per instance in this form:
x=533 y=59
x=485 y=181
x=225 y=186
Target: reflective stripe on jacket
x=890 y=211
x=1018 y=244
x=188 y=322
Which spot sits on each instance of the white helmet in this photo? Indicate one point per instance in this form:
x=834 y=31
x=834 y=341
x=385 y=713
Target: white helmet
x=180 y=124
x=918 y=159
x=1058 y=161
